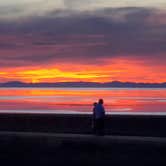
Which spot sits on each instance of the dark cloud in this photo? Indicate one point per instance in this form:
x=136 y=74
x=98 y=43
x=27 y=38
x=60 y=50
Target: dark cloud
x=84 y=36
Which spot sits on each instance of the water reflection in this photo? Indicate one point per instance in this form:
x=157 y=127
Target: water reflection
x=81 y=99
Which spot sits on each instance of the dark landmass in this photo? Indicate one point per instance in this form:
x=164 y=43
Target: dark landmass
x=54 y=149
x=124 y=125
x=116 y=84
x=32 y=139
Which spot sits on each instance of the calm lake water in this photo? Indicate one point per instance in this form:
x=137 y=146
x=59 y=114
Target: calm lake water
x=80 y=100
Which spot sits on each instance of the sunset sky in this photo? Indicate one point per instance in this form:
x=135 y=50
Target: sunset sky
x=83 y=40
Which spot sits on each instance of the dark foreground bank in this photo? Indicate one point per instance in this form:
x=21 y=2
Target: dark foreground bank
x=25 y=149
x=32 y=139
x=131 y=125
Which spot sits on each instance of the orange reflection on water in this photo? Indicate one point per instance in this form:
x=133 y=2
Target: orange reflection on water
x=81 y=99
x=96 y=92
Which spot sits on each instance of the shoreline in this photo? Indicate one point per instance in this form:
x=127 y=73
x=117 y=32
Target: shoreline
x=124 y=125
x=75 y=113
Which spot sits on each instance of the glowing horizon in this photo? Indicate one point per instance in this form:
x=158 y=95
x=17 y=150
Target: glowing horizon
x=120 y=69
x=130 y=72
x=90 y=41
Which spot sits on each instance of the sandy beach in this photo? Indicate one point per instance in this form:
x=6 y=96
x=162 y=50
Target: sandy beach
x=32 y=139
x=26 y=148
x=124 y=125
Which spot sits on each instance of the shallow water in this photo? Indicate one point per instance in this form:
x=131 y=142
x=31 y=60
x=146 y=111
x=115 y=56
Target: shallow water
x=79 y=100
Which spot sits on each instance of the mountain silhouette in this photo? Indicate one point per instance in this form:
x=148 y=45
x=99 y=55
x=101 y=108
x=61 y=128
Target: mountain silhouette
x=117 y=84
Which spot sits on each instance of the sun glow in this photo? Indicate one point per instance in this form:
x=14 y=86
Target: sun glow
x=118 y=70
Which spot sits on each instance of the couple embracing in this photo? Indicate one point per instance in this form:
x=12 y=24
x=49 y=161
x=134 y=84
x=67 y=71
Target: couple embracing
x=98 y=118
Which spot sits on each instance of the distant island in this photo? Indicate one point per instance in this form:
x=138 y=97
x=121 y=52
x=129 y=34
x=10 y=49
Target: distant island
x=113 y=84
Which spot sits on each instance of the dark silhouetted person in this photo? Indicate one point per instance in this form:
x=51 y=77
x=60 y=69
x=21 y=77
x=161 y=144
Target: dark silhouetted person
x=93 y=118
x=99 y=117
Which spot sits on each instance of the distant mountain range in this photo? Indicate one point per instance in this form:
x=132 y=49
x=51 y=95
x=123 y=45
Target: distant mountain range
x=117 y=84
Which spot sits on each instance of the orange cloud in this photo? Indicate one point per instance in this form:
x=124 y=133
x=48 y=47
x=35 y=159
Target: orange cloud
x=111 y=70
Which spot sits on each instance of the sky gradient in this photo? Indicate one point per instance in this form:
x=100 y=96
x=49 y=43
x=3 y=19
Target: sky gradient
x=76 y=40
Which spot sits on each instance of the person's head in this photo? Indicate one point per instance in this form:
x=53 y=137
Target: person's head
x=94 y=104
x=101 y=101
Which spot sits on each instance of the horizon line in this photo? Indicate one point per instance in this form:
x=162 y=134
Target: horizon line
x=116 y=81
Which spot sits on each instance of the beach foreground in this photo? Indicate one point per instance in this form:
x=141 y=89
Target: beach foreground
x=67 y=139
x=25 y=148
x=127 y=125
